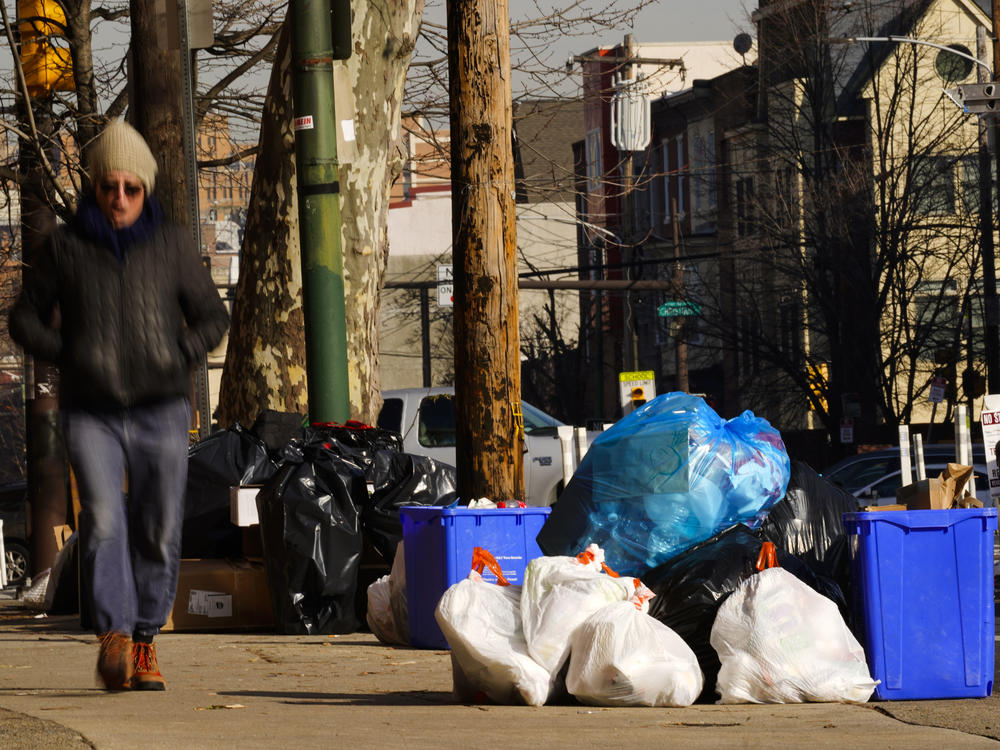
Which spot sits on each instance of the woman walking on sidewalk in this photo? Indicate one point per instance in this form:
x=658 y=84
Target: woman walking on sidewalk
x=120 y=300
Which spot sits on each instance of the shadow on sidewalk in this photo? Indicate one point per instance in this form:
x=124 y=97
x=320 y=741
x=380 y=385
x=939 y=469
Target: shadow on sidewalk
x=394 y=698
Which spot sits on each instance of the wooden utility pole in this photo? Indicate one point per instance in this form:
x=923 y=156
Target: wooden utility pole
x=489 y=422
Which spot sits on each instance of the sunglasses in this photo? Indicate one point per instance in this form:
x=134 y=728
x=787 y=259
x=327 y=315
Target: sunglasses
x=110 y=188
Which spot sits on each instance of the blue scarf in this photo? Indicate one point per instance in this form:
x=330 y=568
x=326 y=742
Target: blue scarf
x=91 y=223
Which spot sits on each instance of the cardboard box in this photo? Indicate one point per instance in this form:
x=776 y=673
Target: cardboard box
x=924 y=494
x=221 y=595
x=243 y=504
x=251 y=543
x=879 y=508
x=931 y=494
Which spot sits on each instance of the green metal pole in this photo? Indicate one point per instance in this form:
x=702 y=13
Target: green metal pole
x=319 y=210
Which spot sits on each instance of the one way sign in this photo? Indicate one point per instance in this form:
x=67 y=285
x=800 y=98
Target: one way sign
x=446 y=286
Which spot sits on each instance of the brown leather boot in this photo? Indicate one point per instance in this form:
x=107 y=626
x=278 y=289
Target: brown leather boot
x=114 y=662
x=147 y=672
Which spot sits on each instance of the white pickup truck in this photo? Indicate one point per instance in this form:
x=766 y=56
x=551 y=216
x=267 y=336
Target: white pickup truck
x=425 y=417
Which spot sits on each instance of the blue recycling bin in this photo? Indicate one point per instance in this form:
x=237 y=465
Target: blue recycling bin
x=922 y=600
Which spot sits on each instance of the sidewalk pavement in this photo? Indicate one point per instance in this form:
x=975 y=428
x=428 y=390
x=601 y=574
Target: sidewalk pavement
x=262 y=690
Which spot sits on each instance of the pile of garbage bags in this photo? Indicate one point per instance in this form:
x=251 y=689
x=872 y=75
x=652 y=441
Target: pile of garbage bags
x=327 y=492
x=575 y=629
x=680 y=503
x=570 y=627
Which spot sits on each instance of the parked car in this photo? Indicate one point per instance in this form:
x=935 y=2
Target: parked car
x=425 y=417
x=14 y=513
x=874 y=477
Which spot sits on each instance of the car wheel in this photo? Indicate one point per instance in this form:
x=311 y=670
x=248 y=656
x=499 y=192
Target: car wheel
x=17 y=563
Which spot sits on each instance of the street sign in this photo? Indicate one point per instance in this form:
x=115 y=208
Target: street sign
x=936 y=395
x=446 y=285
x=846 y=430
x=636 y=388
x=989 y=420
x=678 y=308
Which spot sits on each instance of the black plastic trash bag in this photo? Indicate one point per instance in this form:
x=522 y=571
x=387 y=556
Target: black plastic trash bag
x=276 y=428
x=669 y=475
x=310 y=525
x=808 y=523
x=222 y=460
x=690 y=587
x=399 y=479
x=354 y=441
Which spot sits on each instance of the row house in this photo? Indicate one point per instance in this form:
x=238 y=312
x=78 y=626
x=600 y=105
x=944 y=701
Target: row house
x=815 y=213
x=627 y=182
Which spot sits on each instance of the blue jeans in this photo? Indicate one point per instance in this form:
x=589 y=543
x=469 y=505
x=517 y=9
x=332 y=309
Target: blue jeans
x=130 y=543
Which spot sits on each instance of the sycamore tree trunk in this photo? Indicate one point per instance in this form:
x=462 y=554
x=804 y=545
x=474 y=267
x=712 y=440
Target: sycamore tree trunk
x=385 y=32
x=265 y=361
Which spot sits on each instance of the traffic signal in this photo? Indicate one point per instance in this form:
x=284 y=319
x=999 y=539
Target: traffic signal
x=638 y=397
x=47 y=67
x=973 y=383
x=976 y=98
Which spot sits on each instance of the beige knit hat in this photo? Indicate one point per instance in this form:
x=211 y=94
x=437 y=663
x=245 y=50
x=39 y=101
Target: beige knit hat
x=121 y=148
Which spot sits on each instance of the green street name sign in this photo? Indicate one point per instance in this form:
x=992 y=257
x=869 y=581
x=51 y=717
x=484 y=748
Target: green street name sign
x=678 y=308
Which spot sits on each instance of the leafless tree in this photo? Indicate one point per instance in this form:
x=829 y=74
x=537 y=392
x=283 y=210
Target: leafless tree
x=856 y=237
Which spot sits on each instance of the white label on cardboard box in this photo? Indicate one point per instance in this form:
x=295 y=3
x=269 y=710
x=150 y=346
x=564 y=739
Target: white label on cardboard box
x=210 y=603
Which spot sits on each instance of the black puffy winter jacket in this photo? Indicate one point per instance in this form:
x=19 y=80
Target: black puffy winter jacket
x=126 y=332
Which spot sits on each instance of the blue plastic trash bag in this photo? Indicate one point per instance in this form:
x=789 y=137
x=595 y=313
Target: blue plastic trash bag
x=669 y=475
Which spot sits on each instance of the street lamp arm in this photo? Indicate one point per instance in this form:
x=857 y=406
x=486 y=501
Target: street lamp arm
x=909 y=40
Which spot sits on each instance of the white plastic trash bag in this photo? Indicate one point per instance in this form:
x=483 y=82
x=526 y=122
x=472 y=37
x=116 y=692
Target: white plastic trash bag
x=780 y=641
x=482 y=623
x=560 y=592
x=620 y=656
x=379 y=613
x=397 y=595
x=386 y=614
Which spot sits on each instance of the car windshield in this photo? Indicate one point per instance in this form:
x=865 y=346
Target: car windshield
x=436 y=428
x=860 y=474
x=536 y=420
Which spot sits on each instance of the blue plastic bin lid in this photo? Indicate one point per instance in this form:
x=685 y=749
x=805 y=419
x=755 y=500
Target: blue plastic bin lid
x=425 y=512
x=923 y=519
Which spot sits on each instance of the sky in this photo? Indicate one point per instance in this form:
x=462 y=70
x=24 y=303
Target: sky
x=687 y=21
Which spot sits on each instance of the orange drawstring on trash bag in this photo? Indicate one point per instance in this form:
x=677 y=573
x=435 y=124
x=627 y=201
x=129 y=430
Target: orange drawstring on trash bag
x=768 y=557
x=482 y=558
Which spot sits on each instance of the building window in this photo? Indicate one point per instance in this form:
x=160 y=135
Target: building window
x=785 y=199
x=655 y=192
x=594 y=167
x=790 y=330
x=744 y=207
x=968 y=181
x=668 y=209
x=681 y=174
x=937 y=316
x=749 y=341
x=932 y=185
x=703 y=197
